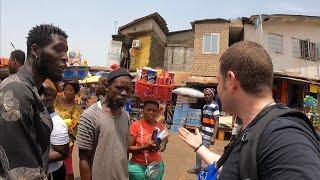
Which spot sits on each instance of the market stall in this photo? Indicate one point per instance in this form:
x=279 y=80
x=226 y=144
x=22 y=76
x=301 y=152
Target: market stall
x=4 y=67
x=311 y=109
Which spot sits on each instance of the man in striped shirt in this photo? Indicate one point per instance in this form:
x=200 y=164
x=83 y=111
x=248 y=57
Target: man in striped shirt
x=209 y=125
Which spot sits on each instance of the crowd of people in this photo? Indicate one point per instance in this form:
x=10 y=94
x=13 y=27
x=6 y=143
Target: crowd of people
x=40 y=123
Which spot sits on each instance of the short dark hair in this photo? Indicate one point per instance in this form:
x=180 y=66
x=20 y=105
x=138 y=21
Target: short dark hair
x=19 y=56
x=74 y=84
x=251 y=64
x=150 y=102
x=41 y=35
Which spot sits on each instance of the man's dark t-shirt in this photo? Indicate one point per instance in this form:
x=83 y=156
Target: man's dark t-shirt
x=287 y=150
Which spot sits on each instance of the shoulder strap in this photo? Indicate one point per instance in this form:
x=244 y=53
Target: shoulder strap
x=250 y=140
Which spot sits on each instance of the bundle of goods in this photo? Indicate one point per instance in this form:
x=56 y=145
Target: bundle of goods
x=184 y=115
x=193 y=117
x=75 y=72
x=158 y=136
x=74 y=58
x=4 y=61
x=4 y=67
x=154 y=84
x=311 y=108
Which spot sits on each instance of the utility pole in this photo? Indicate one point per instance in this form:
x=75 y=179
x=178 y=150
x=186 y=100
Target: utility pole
x=115 y=26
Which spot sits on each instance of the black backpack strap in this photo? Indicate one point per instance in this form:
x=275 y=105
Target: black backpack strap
x=250 y=140
x=226 y=153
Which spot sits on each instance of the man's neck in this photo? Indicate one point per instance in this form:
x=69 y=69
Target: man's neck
x=251 y=107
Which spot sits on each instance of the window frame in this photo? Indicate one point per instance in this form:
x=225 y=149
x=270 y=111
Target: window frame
x=282 y=47
x=218 y=43
x=312 y=48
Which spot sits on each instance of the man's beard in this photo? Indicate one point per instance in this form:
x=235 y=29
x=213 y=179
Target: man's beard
x=44 y=70
x=113 y=102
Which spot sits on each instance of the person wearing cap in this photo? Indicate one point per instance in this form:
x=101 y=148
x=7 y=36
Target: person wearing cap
x=209 y=125
x=103 y=132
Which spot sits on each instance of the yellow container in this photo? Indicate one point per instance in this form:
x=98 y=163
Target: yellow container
x=221 y=135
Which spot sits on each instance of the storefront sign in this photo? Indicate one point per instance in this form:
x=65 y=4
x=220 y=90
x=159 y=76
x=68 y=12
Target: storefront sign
x=114 y=53
x=314 y=88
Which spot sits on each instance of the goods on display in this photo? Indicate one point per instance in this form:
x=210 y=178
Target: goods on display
x=184 y=114
x=4 y=61
x=74 y=58
x=4 y=67
x=154 y=84
x=311 y=108
x=189 y=92
x=193 y=117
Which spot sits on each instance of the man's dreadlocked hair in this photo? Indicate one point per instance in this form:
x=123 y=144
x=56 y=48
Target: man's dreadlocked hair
x=41 y=35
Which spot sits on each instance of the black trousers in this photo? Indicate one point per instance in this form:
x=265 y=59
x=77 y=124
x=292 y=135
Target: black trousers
x=59 y=174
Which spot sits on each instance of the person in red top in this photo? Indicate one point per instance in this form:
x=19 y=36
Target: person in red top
x=145 y=150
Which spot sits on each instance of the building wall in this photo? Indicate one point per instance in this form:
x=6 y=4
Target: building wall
x=157 y=51
x=161 y=35
x=142 y=56
x=152 y=44
x=286 y=62
x=143 y=26
x=207 y=64
x=184 y=38
x=178 y=58
x=179 y=51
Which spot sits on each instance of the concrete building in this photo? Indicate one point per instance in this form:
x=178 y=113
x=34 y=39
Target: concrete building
x=293 y=44
x=211 y=38
x=144 y=41
x=291 y=40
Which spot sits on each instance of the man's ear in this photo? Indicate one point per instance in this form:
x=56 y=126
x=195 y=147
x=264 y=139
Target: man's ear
x=35 y=49
x=232 y=79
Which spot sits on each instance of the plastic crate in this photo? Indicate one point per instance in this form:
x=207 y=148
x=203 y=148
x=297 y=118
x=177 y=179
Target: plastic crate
x=147 y=91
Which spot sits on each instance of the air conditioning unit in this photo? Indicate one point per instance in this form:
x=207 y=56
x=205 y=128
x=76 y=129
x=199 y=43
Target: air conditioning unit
x=136 y=43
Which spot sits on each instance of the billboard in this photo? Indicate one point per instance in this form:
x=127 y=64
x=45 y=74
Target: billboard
x=114 y=53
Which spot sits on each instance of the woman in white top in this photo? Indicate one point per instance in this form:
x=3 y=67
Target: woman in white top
x=59 y=136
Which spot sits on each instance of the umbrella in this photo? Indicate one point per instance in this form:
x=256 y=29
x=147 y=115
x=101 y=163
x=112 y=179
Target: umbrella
x=188 y=92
